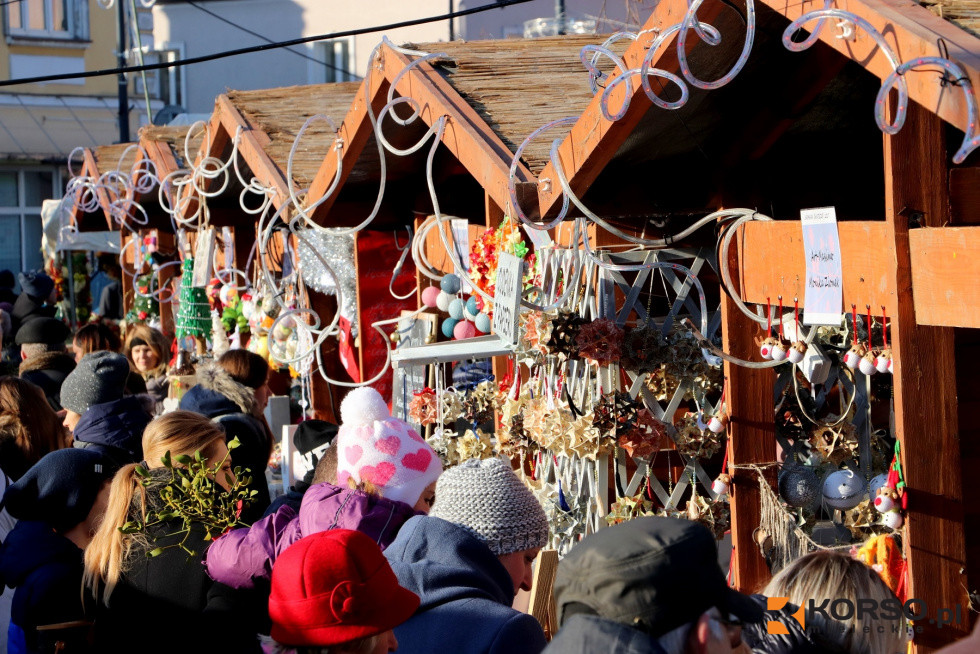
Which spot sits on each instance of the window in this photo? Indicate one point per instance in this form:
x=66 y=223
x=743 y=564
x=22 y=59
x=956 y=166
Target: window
x=336 y=59
x=171 y=79
x=53 y=19
x=21 y=195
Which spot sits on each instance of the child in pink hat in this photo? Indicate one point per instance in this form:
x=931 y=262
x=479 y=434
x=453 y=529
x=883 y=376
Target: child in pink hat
x=386 y=474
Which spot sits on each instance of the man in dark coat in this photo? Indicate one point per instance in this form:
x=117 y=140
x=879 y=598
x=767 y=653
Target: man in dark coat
x=35 y=299
x=647 y=586
x=44 y=360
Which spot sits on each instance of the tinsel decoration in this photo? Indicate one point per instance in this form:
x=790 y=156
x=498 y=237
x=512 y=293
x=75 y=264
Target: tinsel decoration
x=600 y=341
x=564 y=332
x=692 y=441
x=646 y=438
x=337 y=249
x=423 y=409
x=644 y=349
x=194 y=314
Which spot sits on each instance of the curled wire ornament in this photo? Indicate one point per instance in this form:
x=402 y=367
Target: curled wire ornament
x=691 y=22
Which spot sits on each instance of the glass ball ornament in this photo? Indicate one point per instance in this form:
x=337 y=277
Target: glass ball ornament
x=843 y=489
x=799 y=487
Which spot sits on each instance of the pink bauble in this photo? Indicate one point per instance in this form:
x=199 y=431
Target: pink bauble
x=430 y=295
x=464 y=329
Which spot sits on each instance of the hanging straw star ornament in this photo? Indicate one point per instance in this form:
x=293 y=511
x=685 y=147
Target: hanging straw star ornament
x=452 y=405
x=629 y=508
x=564 y=332
x=646 y=438
x=424 y=408
x=695 y=442
x=644 y=349
x=600 y=341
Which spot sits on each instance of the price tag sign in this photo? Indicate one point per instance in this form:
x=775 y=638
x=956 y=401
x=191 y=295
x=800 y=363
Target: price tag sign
x=824 y=298
x=507 y=298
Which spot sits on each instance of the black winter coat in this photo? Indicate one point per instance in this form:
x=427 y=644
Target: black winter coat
x=168 y=603
x=46 y=571
x=48 y=371
x=228 y=403
x=817 y=638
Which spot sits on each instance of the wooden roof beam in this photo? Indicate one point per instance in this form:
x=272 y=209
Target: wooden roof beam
x=467 y=135
x=91 y=169
x=252 y=148
x=912 y=31
x=593 y=140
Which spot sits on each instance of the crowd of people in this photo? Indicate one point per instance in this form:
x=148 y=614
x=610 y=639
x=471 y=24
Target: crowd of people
x=126 y=527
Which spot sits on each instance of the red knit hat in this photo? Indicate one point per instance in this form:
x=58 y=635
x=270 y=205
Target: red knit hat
x=334 y=587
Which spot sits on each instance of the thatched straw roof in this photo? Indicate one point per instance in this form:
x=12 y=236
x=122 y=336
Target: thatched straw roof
x=963 y=13
x=281 y=113
x=175 y=137
x=107 y=158
x=518 y=85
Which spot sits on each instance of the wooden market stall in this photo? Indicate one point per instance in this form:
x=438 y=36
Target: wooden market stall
x=794 y=130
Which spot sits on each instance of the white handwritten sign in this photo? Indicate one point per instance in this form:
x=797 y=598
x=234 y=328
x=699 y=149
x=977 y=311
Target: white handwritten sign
x=824 y=297
x=507 y=298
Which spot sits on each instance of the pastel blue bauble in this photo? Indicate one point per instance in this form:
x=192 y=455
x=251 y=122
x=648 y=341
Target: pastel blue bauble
x=482 y=323
x=472 y=306
x=450 y=284
x=456 y=309
x=448 y=325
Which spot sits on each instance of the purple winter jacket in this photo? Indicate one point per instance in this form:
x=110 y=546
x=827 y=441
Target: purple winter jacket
x=243 y=556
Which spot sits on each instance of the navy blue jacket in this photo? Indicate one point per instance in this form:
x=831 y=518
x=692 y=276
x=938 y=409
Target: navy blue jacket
x=46 y=571
x=253 y=453
x=115 y=429
x=466 y=594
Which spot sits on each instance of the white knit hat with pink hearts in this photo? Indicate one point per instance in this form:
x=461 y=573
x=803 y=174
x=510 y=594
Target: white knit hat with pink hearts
x=375 y=447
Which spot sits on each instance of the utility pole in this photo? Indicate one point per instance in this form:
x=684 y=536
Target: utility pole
x=452 y=31
x=560 y=16
x=121 y=62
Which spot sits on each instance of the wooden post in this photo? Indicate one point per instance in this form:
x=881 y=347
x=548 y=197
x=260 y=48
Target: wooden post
x=751 y=436
x=916 y=189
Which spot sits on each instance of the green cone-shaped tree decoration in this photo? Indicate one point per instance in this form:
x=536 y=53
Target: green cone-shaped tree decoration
x=194 y=314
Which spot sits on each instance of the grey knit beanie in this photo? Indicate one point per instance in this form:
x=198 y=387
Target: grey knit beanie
x=98 y=378
x=487 y=499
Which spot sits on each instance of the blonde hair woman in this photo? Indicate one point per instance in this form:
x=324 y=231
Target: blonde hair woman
x=831 y=575
x=150 y=582
x=147 y=349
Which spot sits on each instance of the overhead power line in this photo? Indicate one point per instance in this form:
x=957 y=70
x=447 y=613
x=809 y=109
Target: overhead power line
x=264 y=38
x=500 y=4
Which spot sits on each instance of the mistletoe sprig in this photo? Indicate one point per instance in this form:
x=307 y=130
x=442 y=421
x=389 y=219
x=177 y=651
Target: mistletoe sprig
x=189 y=493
